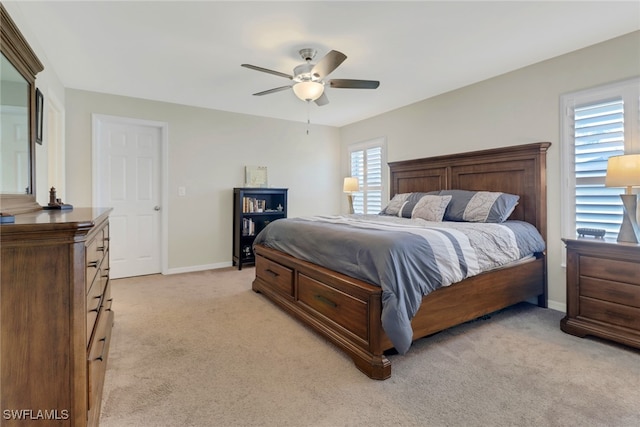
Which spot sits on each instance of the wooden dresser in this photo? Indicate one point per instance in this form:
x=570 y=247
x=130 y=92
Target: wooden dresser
x=56 y=317
x=603 y=290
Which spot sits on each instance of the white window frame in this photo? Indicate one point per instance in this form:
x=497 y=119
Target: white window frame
x=363 y=146
x=629 y=90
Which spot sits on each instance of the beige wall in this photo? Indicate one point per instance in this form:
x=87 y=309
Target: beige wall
x=514 y=108
x=208 y=150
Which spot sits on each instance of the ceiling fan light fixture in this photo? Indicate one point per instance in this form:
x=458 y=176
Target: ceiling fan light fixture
x=308 y=79
x=308 y=90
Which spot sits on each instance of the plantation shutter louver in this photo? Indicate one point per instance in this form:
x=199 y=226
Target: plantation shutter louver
x=366 y=165
x=598 y=134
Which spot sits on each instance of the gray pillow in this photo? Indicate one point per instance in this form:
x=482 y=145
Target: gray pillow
x=403 y=203
x=411 y=202
x=431 y=208
x=395 y=205
x=479 y=206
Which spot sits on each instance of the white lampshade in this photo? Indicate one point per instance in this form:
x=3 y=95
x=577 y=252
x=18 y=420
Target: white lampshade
x=623 y=171
x=308 y=91
x=351 y=184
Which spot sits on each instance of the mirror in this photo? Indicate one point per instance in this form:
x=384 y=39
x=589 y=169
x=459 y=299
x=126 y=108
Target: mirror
x=14 y=130
x=18 y=68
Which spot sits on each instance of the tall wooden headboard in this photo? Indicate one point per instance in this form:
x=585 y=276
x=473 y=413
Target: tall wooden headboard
x=519 y=169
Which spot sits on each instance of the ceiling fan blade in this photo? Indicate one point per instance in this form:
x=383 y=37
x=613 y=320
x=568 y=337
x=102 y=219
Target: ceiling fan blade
x=276 y=89
x=322 y=100
x=326 y=65
x=266 y=70
x=354 y=84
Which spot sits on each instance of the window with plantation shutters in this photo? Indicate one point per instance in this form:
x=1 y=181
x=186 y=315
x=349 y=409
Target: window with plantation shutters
x=598 y=134
x=598 y=123
x=367 y=162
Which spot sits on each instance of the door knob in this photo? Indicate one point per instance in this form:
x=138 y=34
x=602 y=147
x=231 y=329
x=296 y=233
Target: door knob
x=156 y=208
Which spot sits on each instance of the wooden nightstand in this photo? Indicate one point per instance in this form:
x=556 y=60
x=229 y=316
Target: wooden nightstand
x=603 y=290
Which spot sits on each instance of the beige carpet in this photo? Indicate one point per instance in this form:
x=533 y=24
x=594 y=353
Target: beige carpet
x=202 y=349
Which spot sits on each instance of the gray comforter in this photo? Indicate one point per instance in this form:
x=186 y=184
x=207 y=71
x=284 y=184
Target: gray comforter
x=408 y=258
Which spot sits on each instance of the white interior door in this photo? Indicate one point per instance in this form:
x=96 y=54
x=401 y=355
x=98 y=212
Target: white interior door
x=127 y=177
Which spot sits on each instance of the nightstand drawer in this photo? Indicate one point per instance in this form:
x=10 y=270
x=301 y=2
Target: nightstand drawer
x=610 y=269
x=607 y=312
x=616 y=292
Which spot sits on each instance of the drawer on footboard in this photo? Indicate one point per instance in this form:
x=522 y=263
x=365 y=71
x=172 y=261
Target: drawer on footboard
x=279 y=276
x=346 y=310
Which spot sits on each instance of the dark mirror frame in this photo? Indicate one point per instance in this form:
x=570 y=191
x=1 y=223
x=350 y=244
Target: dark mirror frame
x=16 y=49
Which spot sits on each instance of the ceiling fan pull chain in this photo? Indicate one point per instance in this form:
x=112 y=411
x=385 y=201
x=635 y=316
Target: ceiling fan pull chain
x=308 y=115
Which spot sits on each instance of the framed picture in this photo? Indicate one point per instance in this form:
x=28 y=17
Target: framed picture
x=255 y=176
x=39 y=112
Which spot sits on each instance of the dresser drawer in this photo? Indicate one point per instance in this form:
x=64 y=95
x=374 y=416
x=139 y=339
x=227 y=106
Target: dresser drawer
x=610 y=269
x=345 y=310
x=94 y=302
x=616 y=292
x=106 y=297
x=610 y=313
x=94 y=260
x=97 y=360
x=95 y=253
x=105 y=238
x=280 y=276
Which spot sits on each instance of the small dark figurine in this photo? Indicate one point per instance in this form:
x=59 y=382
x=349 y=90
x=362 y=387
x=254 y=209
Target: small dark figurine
x=55 y=203
x=52 y=196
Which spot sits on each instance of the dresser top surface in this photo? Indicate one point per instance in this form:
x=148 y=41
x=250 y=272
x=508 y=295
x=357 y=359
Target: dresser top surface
x=51 y=220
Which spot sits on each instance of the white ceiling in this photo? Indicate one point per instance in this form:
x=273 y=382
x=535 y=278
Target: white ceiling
x=190 y=52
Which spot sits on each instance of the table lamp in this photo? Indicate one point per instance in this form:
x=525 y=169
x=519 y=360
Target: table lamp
x=351 y=185
x=624 y=171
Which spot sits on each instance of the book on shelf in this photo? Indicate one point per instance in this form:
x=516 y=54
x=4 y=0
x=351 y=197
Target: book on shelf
x=248 y=227
x=251 y=204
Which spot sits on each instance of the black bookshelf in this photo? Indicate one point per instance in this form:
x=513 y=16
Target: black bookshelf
x=253 y=209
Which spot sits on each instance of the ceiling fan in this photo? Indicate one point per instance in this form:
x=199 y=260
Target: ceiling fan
x=308 y=78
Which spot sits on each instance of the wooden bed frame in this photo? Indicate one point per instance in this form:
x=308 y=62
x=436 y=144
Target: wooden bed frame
x=347 y=311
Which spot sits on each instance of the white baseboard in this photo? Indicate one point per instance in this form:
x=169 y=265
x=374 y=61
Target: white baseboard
x=553 y=305
x=195 y=268
x=558 y=306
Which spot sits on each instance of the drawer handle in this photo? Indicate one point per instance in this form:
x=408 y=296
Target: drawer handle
x=271 y=272
x=97 y=309
x=106 y=239
x=100 y=248
x=101 y=357
x=325 y=300
x=93 y=264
